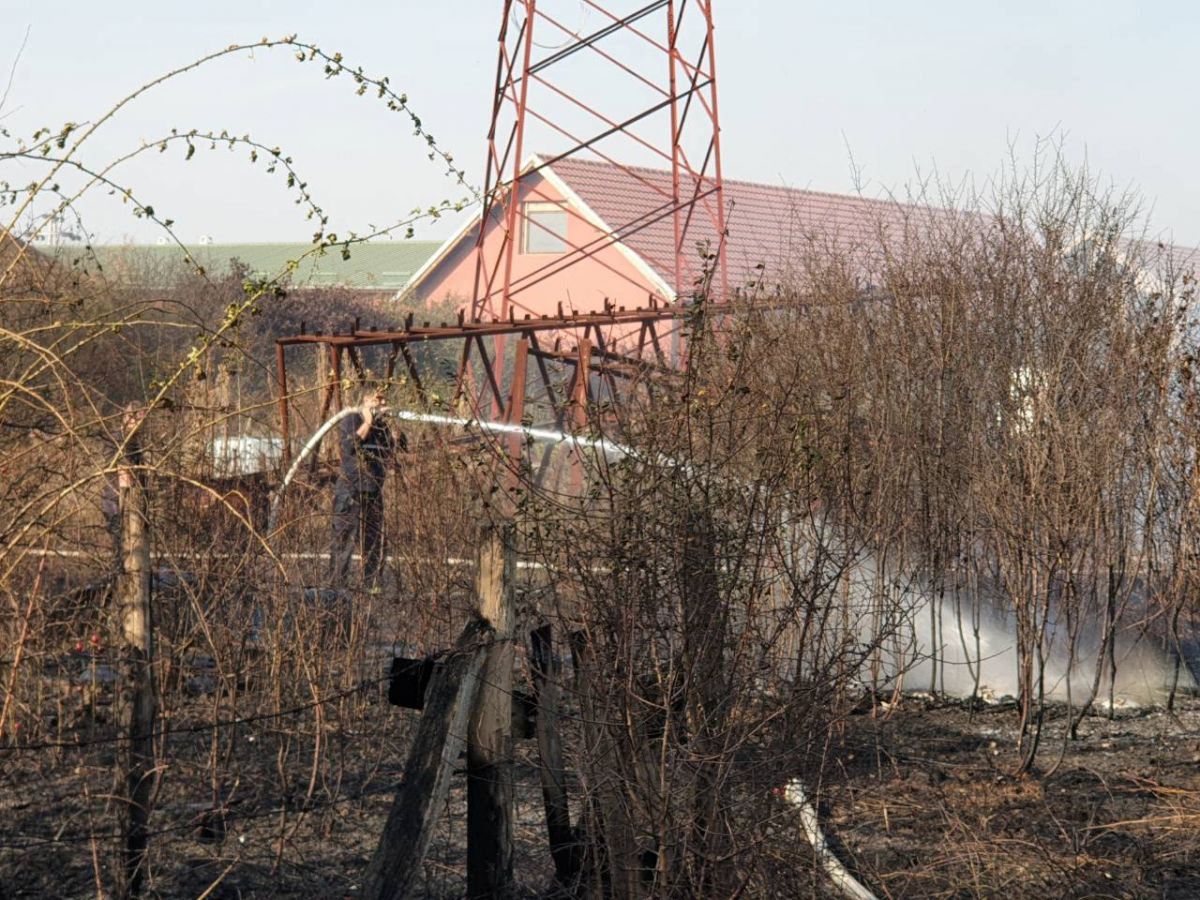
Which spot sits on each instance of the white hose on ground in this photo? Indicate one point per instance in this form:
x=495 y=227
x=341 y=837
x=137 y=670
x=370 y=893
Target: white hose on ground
x=850 y=886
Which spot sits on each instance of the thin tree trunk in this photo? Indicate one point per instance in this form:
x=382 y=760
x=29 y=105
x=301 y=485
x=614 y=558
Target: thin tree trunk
x=136 y=702
x=546 y=673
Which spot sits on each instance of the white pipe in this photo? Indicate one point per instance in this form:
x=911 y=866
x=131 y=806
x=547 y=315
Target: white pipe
x=850 y=886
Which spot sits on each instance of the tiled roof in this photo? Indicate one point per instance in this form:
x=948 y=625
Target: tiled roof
x=1176 y=259
x=10 y=248
x=1160 y=259
x=379 y=265
x=769 y=225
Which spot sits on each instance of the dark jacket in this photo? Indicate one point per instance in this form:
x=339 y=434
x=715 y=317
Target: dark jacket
x=365 y=462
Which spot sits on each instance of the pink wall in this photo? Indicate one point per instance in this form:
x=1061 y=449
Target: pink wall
x=581 y=286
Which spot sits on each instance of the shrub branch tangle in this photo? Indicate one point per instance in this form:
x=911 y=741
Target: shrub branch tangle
x=979 y=412
x=976 y=421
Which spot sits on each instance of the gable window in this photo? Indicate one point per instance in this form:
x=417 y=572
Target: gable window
x=543 y=228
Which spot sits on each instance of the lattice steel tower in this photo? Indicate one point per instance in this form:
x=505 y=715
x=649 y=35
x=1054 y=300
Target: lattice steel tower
x=620 y=83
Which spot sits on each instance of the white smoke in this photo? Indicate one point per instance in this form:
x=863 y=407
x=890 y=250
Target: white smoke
x=964 y=644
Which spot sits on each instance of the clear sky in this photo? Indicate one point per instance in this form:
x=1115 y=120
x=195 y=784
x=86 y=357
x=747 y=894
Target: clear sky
x=810 y=92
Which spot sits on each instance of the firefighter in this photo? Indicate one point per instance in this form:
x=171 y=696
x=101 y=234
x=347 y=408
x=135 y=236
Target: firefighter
x=367 y=449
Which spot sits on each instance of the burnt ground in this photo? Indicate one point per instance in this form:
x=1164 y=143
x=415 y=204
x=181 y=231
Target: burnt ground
x=291 y=820
x=921 y=801
x=924 y=802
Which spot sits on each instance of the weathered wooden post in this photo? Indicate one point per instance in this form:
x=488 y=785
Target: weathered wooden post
x=546 y=669
x=396 y=865
x=489 y=738
x=136 y=706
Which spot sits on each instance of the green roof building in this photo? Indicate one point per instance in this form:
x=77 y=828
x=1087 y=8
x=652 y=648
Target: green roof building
x=378 y=266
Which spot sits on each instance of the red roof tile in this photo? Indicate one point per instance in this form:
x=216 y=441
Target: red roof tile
x=768 y=225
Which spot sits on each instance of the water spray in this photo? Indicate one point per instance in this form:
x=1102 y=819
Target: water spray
x=536 y=435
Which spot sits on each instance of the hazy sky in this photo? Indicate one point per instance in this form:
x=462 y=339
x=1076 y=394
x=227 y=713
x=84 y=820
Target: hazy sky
x=809 y=91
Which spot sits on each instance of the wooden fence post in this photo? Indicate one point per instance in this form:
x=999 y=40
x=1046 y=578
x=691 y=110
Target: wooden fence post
x=564 y=848
x=489 y=737
x=396 y=865
x=136 y=706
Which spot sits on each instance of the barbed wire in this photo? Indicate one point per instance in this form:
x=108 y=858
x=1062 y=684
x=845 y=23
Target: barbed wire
x=196 y=729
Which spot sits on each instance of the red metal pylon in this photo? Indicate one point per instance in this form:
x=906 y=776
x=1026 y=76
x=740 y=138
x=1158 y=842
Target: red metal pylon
x=620 y=82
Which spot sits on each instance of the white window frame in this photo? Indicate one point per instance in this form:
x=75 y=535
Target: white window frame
x=531 y=208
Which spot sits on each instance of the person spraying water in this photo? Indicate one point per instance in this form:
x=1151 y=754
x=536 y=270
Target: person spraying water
x=368 y=448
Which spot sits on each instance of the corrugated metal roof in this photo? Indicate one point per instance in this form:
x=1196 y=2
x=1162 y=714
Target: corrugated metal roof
x=379 y=265
x=768 y=225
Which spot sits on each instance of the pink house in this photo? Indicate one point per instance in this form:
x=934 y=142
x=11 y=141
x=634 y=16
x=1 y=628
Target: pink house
x=592 y=232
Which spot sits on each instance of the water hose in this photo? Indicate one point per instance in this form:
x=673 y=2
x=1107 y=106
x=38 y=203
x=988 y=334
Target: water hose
x=837 y=873
x=538 y=435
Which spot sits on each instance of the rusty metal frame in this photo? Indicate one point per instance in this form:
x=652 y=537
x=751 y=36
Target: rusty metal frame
x=622 y=348
x=671 y=42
